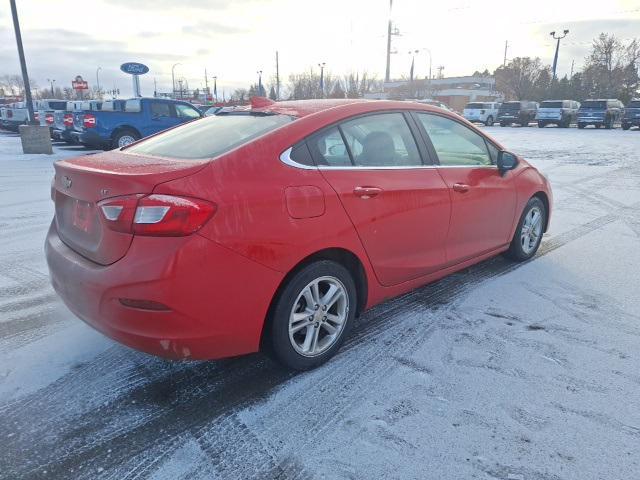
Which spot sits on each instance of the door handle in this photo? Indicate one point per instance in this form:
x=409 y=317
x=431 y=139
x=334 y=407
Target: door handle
x=460 y=187
x=366 y=192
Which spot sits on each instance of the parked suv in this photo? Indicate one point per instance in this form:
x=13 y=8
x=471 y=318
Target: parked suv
x=481 y=112
x=631 y=116
x=557 y=112
x=521 y=112
x=600 y=112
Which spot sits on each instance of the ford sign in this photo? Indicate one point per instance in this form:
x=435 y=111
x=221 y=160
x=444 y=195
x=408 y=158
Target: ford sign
x=134 y=68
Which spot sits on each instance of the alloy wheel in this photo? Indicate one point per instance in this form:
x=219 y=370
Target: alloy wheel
x=531 y=230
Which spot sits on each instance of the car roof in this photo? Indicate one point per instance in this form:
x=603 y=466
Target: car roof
x=301 y=108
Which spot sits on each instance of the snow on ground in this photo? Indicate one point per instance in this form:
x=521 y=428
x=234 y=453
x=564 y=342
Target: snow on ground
x=502 y=371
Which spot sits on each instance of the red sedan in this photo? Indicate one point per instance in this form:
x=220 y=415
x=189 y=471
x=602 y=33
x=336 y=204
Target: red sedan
x=273 y=227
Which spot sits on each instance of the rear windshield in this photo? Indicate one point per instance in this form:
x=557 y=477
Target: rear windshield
x=210 y=136
x=634 y=104
x=475 y=105
x=57 y=105
x=510 y=106
x=599 y=104
x=551 y=105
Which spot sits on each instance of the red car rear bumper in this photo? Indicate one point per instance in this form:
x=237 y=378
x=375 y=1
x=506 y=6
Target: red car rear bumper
x=213 y=311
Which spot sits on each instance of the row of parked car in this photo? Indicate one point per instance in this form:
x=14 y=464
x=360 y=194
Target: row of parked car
x=605 y=113
x=102 y=124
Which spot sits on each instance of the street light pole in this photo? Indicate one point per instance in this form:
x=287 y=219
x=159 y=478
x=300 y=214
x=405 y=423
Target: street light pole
x=322 y=65
x=555 y=58
x=23 y=63
x=51 y=82
x=215 y=88
x=259 y=72
x=173 y=78
x=98 y=79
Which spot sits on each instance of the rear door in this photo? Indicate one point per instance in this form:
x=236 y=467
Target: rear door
x=395 y=198
x=483 y=201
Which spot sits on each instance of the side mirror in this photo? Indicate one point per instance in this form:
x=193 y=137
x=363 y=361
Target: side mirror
x=506 y=161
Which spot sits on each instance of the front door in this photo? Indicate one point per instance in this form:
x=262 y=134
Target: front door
x=399 y=206
x=483 y=201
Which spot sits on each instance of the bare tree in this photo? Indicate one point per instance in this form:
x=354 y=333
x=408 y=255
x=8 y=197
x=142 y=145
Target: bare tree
x=520 y=79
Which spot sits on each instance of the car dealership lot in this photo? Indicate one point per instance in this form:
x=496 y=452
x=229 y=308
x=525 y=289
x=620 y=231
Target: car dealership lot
x=501 y=371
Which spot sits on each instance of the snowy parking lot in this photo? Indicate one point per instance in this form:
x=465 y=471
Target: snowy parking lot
x=503 y=371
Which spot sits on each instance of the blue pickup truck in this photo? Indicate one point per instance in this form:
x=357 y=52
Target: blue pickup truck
x=122 y=122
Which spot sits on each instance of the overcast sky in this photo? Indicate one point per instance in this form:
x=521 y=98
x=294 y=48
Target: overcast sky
x=234 y=39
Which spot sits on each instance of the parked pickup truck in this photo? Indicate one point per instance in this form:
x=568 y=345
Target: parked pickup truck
x=63 y=119
x=631 y=115
x=44 y=111
x=14 y=115
x=600 y=113
x=130 y=120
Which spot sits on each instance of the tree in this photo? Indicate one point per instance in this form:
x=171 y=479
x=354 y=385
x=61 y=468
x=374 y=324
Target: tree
x=522 y=78
x=239 y=95
x=337 y=91
x=272 y=93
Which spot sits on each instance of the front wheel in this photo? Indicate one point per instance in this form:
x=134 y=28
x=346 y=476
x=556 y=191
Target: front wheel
x=503 y=124
x=626 y=126
x=528 y=235
x=489 y=121
x=581 y=126
x=541 y=125
x=124 y=138
x=312 y=315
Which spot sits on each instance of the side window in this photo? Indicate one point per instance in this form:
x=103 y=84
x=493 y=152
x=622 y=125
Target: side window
x=160 y=109
x=328 y=148
x=382 y=140
x=300 y=154
x=185 y=111
x=455 y=144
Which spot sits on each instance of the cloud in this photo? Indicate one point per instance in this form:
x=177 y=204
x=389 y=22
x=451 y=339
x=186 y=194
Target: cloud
x=173 y=4
x=209 y=28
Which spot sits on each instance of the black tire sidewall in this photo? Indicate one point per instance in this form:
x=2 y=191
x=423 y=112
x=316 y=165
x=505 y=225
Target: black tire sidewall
x=281 y=346
x=515 y=251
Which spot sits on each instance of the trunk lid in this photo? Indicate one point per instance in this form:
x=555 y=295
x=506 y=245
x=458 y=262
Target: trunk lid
x=80 y=183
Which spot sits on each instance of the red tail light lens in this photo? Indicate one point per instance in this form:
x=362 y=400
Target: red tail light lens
x=68 y=120
x=156 y=215
x=49 y=118
x=89 y=120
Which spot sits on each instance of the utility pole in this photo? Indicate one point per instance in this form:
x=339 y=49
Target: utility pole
x=155 y=88
x=572 y=63
x=259 y=72
x=387 y=74
x=555 y=58
x=440 y=68
x=215 y=88
x=23 y=63
x=51 y=82
x=506 y=46
x=206 y=84
x=277 y=77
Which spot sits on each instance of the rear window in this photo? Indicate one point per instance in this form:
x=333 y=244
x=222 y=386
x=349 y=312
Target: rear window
x=209 y=137
x=634 y=104
x=551 y=105
x=475 y=105
x=510 y=106
x=600 y=104
x=58 y=105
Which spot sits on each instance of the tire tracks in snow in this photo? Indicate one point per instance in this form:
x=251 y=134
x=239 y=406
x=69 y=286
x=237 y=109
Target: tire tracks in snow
x=153 y=408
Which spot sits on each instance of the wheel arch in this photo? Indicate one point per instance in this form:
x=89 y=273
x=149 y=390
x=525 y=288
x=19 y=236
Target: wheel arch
x=342 y=256
x=545 y=200
x=121 y=128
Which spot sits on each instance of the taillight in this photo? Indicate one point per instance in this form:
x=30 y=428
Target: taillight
x=49 y=118
x=89 y=120
x=68 y=120
x=156 y=215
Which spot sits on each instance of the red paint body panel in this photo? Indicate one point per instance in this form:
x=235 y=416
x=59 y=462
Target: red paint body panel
x=219 y=283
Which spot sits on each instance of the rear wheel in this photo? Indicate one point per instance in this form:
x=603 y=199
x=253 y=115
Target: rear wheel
x=541 y=124
x=312 y=315
x=581 y=126
x=626 y=126
x=489 y=121
x=503 y=124
x=528 y=234
x=124 y=138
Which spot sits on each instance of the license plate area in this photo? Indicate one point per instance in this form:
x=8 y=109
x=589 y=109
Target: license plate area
x=81 y=215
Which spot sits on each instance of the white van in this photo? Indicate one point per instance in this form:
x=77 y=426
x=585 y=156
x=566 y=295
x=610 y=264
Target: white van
x=481 y=112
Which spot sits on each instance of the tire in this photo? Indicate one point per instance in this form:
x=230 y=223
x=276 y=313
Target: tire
x=541 y=125
x=581 y=126
x=524 y=247
x=124 y=137
x=608 y=124
x=489 y=121
x=503 y=124
x=296 y=349
x=626 y=126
